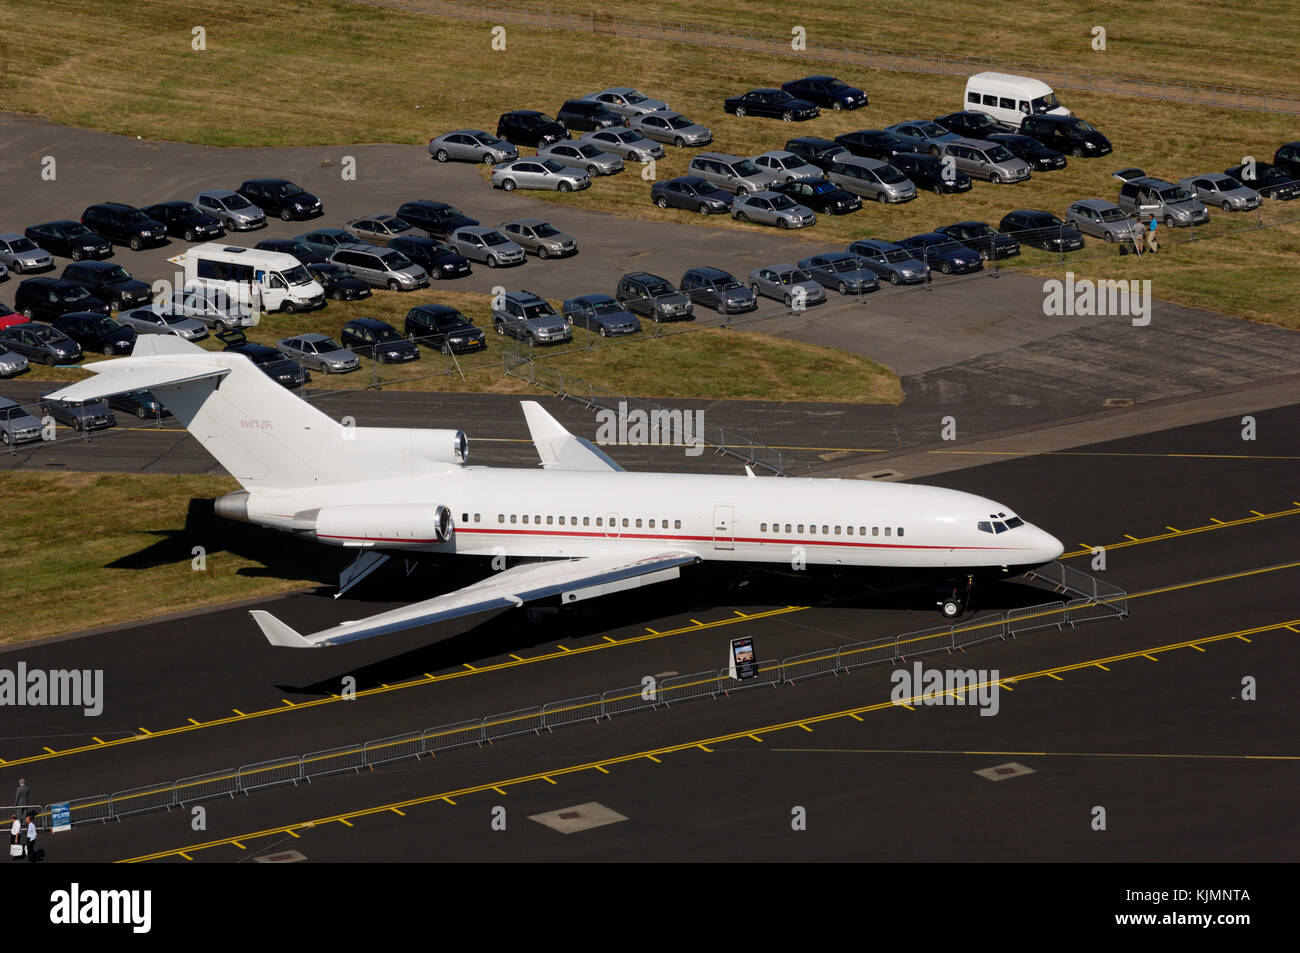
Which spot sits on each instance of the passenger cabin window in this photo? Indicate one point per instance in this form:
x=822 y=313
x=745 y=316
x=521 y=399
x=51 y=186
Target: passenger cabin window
x=677 y=524
x=875 y=531
x=886 y=530
x=900 y=531
x=512 y=518
x=973 y=98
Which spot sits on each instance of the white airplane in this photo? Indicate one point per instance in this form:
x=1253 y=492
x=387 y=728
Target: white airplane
x=586 y=527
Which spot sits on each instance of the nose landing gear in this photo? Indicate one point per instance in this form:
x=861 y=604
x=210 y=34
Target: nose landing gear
x=955 y=599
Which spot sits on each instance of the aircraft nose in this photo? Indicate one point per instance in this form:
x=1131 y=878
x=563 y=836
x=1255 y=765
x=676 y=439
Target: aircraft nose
x=1047 y=546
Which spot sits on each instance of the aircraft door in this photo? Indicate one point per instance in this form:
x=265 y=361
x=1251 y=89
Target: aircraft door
x=724 y=534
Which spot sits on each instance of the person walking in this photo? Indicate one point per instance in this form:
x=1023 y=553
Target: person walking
x=15 y=837
x=22 y=795
x=31 y=839
x=1153 y=246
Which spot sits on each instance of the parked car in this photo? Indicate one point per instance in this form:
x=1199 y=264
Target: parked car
x=40 y=342
x=1104 y=220
x=1028 y=149
x=1041 y=230
x=786 y=283
x=785 y=166
x=306 y=254
x=542 y=173
x=446 y=329
x=209 y=306
x=4 y=272
x=1146 y=198
x=772 y=208
x=1067 y=134
x=281 y=197
x=599 y=313
x=927 y=172
x=379 y=341
x=626 y=101
x=529 y=317
x=481 y=243
x=528 y=127
x=22 y=256
x=156 y=320
x=471 y=145
x=827 y=92
x=772 y=104
x=1287 y=158
x=326 y=241
x=628 y=144
x=733 y=173
x=382 y=229
x=984 y=238
x=109 y=282
x=872 y=144
x=9 y=316
x=587 y=114
x=922 y=135
x=1221 y=191
x=70 y=239
x=986 y=160
x=94 y=331
x=690 y=192
x=582 y=155
x=381 y=267
x=437 y=260
x=17 y=425
x=437 y=218
x=141 y=403
x=1270 y=181
x=12 y=363
x=717 y=289
x=940 y=251
x=890 y=261
x=186 y=220
x=653 y=298
x=847 y=274
x=269 y=361
x=87 y=416
x=44 y=299
x=124 y=225
x=671 y=128
x=320 y=352
x=872 y=179
x=822 y=153
x=540 y=237
x=971 y=124
x=232 y=210
x=820 y=195
x=336 y=281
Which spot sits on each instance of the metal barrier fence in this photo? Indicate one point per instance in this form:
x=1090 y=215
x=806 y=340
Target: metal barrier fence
x=1104 y=602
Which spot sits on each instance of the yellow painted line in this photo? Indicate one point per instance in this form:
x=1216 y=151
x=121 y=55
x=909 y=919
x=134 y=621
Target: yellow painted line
x=1257 y=512
x=652 y=631
x=696 y=622
x=195 y=721
x=1214 y=524
x=238 y=712
x=654 y=759
x=448 y=800
x=287 y=702
x=609 y=640
x=398 y=813
x=1244 y=639
x=601 y=770
x=908 y=707
x=855 y=717
x=50 y=750
x=292 y=834
x=1199 y=649
x=804 y=727
x=705 y=748
x=1055 y=676
x=1151 y=657
x=100 y=740
x=739 y=613
x=145 y=731
x=1102 y=667
x=185 y=855
x=1134 y=538
x=1004 y=686
x=551 y=780
x=1172 y=529
x=344 y=820
x=1220 y=522
x=239 y=845
x=428 y=676
x=516 y=657
x=497 y=789
x=757 y=738
x=466 y=664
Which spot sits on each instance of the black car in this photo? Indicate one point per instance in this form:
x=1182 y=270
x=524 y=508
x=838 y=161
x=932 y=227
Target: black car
x=1029 y=149
x=109 y=282
x=773 y=104
x=40 y=342
x=378 y=340
x=691 y=192
x=186 y=220
x=1287 y=158
x=433 y=256
x=820 y=195
x=336 y=281
x=43 y=299
x=90 y=415
x=984 y=238
x=124 y=225
x=268 y=360
x=281 y=197
x=587 y=115
x=972 y=124
x=872 y=144
x=305 y=254
x=927 y=172
x=437 y=218
x=142 y=403
x=1041 y=229
x=1068 y=134
x=70 y=239
x=96 y=332
x=436 y=325
x=827 y=92
x=1269 y=181
x=528 y=127
x=819 y=152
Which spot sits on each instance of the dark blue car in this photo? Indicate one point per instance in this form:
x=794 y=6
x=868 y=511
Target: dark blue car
x=827 y=92
x=940 y=251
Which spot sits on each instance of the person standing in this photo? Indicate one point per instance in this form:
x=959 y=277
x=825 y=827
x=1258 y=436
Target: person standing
x=22 y=795
x=1152 y=245
x=15 y=837
x=31 y=838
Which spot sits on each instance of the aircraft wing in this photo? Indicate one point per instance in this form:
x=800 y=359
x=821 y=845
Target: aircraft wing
x=571 y=579
x=559 y=449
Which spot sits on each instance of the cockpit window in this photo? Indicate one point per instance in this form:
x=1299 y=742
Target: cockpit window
x=985 y=527
x=999 y=527
x=1015 y=521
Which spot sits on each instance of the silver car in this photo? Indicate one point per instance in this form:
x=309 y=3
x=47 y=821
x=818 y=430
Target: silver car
x=22 y=256
x=1216 y=189
x=320 y=352
x=871 y=179
x=923 y=135
x=847 y=274
x=208 y=306
x=381 y=267
x=154 y=319
x=772 y=208
x=539 y=173
x=890 y=261
x=1104 y=219
x=485 y=244
x=733 y=173
x=982 y=159
x=627 y=143
x=671 y=128
x=626 y=101
x=1146 y=198
x=582 y=155
x=471 y=145
x=326 y=241
x=540 y=237
x=786 y=166
x=530 y=318
x=232 y=210
x=11 y=362
x=16 y=424
x=786 y=283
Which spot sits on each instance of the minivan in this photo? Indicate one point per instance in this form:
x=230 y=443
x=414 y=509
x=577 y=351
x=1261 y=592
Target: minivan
x=1010 y=99
x=381 y=267
x=873 y=179
x=986 y=160
x=1146 y=198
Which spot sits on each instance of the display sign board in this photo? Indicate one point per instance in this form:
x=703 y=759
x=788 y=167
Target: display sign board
x=741 y=661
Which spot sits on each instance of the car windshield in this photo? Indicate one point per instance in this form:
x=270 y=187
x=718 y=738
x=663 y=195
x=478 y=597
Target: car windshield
x=553 y=165
x=1084 y=126
x=395 y=260
x=821 y=188
x=1045 y=103
x=844 y=264
x=76 y=230
x=450 y=212
x=745 y=167
x=981 y=229
x=135 y=215
x=21 y=244
x=999 y=154
x=680 y=122
x=297 y=275
x=606 y=307
x=487 y=140
x=783 y=202
x=236 y=201
x=659 y=288
x=931 y=129
x=836 y=84
x=1046 y=220
x=494 y=238
x=635 y=97
x=449 y=319
x=74 y=294
x=105 y=324
x=629 y=137
x=791 y=277
x=897 y=256
x=387 y=334
x=260 y=355
x=325 y=345
x=287 y=190
x=1113 y=215
x=588 y=151
x=328 y=270
x=889 y=175
x=539 y=309
x=115 y=273
x=546 y=230
x=1175 y=194
x=47 y=335
x=169 y=317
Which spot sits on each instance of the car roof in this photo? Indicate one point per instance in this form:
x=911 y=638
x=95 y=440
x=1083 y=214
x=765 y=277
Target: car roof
x=722 y=156
x=1030 y=212
x=779 y=153
x=523 y=112
x=92 y=265
x=692 y=179
x=360 y=246
x=427 y=203
x=525 y=221
x=862 y=161
x=764 y=194
x=523 y=294
x=218 y=193
x=435 y=308
x=817 y=141
x=476 y=229
x=965 y=223
x=915 y=155
x=268 y=181
x=709 y=271
x=818 y=76
x=765 y=89
x=1147 y=180
x=311 y=336
x=368 y=323
x=61 y=222
x=1100 y=203
x=643 y=276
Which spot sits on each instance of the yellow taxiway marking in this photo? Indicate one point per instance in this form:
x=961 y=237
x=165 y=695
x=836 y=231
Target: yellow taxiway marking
x=1214 y=524
x=1051 y=754
x=344 y=820
x=398 y=813
x=185 y=855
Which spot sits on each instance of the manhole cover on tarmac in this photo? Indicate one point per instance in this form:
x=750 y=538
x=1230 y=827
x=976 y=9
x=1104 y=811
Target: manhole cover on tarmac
x=1000 y=772
x=580 y=817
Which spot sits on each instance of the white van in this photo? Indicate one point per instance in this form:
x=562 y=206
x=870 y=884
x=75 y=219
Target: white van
x=1009 y=99
x=258 y=280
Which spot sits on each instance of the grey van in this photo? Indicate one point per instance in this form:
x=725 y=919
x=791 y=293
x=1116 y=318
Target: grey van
x=871 y=178
x=986 y=160
x=1146 y=198
x=381 y=267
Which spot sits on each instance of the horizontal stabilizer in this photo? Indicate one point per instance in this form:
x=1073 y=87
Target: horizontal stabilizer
x=129 y=374
x=559 y=449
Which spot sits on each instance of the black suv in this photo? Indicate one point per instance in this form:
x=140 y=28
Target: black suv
x=927 y=172
x=872 y=144
x=186 y=220
x=378 y=340
x=124 y=224
x=433 y=256
x=336 y=281
x=436 y=218
x=972 y=124
x=109 y=282
x=436 y=325
x=1066 y=134
x=819 y=152
x=653 y=297
x=70 y=239
x=43 y=299
x=281 y=197
x=268 y=360
x=96 y=332
x=587 y=115
x=528 y=127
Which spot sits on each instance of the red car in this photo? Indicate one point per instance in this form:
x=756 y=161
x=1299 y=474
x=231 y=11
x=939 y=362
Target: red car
x=8 y=316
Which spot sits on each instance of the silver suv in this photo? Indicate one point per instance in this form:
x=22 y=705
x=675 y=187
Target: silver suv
x=982 y=159
x=381 y=267
x=1146 y=198
x=529 y=317
x=733 y=173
